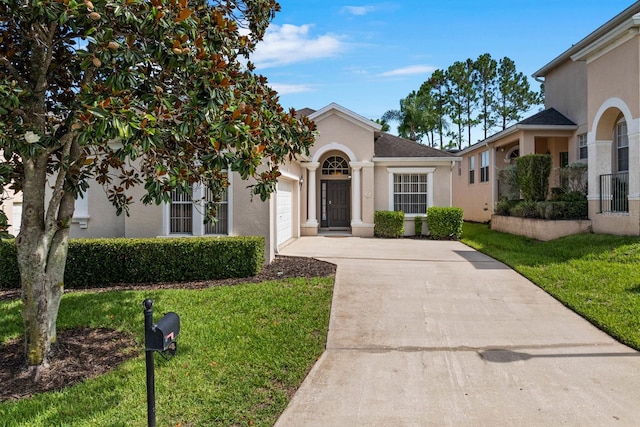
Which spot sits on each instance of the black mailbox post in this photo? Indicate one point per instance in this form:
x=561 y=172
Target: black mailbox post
x=157 y=337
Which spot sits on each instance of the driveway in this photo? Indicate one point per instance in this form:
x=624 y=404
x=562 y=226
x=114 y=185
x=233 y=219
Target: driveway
x=434 y=333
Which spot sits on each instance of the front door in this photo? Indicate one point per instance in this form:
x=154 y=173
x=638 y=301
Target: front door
x=335 y=204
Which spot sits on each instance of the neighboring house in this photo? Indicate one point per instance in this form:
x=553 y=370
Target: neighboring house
x=592 y=96
x=476 y=187
x=352 y=170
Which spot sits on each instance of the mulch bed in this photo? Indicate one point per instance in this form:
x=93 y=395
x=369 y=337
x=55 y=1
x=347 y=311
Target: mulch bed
x=85 y=353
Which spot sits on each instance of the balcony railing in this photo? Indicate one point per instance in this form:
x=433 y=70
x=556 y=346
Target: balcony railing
x=614 y=192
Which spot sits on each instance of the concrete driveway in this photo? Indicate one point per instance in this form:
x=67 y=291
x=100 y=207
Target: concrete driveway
x=428 y=333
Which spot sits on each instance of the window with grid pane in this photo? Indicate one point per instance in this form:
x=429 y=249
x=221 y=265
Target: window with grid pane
x=484 y=166
x=582 y=146
x=622 y=145
x=472 y=169
x=410 y=193
x=220 y=226
x=335 y=165
x=181 y=212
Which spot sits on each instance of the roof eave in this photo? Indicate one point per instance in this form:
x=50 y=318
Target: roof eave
x=612 y=24
x=414 y=159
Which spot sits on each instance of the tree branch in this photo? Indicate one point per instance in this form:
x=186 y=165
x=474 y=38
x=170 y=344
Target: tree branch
x=58 y=188
x=14 y=72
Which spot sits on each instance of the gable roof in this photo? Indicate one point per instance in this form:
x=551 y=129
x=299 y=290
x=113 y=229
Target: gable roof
x=613 y=29
x=548 y=117
x=304 y=112
x=345 y=113
x=389 y=146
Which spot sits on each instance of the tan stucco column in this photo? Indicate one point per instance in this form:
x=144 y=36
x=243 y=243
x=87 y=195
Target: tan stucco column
x=356 y=191
x=358 y=227
x=310 y=227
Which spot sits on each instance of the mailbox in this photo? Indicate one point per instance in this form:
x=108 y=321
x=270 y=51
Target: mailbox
x=162 y=336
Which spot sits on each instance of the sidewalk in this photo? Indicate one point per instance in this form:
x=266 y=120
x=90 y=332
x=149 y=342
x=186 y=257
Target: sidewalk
x=433 y=333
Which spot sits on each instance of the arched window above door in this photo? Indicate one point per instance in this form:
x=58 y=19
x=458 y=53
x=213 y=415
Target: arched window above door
x=335 y=165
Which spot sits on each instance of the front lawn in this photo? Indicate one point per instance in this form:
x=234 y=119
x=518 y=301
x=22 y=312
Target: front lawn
x=597 y=276
x=242 y=351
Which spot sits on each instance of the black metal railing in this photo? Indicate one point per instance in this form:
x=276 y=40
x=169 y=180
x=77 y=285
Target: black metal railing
x=614 y=192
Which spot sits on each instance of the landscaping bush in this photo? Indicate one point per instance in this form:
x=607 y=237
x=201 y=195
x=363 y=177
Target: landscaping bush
x=98 y=262
x=417 y=221
x=533 y=176
x=503 y=207
x=445 y=223
x=574 y=177
x=388 y=223
x=9 y=273
x=525 y=209
x=508 y=182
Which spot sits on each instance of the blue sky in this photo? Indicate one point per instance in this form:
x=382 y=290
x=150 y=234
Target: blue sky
x=366 y=56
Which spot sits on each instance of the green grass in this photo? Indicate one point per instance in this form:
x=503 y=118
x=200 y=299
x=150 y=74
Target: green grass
x=241 y=350
x=597 y=276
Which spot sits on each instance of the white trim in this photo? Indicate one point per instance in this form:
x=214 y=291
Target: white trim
x=608 y=42
x=632 y=125
x=416 y=170
x=391 y=160
x=334 y=146
x=346 y=114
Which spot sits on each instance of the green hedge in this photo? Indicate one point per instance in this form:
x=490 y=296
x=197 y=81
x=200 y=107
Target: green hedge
x=445 y=223
x=9 y=274
x=417 y=221
x=97 y=262
x=388 y=223
x=533 y=176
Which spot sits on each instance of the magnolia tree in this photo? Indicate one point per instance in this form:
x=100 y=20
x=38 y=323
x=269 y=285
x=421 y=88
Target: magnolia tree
x=123 y=93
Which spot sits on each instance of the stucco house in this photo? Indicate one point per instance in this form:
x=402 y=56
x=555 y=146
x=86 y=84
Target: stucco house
x=592 y=115
x=353 y=169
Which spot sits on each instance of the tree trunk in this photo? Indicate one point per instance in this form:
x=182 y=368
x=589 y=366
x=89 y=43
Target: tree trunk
x=42 y=252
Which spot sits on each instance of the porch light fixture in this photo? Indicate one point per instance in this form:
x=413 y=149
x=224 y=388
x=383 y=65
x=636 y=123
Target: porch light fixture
x=301 y=180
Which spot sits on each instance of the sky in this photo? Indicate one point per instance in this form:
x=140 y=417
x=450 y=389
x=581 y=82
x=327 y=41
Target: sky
x=366 y=56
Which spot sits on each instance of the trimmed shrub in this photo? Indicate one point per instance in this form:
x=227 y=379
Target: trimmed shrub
x=98 y=262
x=525 y=209
x=574 y=177
x=388 y=223
x=417 y=221
x=445 y=223
x=533 y=176
x=9 y=273
x=508 y=181
x=503 y=207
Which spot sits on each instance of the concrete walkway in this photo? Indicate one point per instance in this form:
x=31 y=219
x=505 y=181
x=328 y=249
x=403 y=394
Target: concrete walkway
x=426 y=333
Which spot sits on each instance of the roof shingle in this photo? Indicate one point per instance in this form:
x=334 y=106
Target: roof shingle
x=387 y=145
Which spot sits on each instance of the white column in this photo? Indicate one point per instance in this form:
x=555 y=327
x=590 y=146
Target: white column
x=356 y=197
x=312 y=219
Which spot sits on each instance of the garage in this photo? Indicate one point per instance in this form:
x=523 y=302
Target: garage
x=284 y=198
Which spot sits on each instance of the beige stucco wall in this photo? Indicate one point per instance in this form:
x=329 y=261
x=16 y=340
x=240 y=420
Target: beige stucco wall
x=474 y=199
x=615 y=75
x=103 y=221
x=566 y=90
x=337 y=128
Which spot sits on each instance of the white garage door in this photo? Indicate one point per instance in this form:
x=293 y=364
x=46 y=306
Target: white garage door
x=284 y=198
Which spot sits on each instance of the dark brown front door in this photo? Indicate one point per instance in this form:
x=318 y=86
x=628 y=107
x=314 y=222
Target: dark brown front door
x=336 y=204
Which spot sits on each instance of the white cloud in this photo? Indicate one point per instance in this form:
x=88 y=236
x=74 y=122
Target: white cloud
x=287 y=89
x=410 y=70
x=358 y=10
x=288 y=44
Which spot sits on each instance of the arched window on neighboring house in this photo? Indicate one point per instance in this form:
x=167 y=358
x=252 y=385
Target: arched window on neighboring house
x=621 y=146
x=512 y=155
